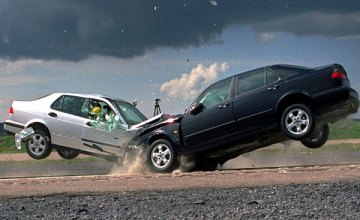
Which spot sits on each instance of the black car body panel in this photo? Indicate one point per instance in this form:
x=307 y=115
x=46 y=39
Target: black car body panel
x=243 y=112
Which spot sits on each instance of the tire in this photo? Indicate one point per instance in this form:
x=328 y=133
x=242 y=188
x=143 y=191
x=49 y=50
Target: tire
x=38 y=146
x=161 y=156
x=297 y=122
x=317 y=138
x=67 y=153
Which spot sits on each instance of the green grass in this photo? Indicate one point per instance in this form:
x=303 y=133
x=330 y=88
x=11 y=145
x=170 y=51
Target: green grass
x=7 y=145
x=345 y=129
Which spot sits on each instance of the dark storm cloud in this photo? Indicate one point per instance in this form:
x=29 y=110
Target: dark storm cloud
x=76 y=29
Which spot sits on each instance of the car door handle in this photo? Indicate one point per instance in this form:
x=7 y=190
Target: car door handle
x=272 y=88
x=52 y=114
x=224 y=105
x=88 y=123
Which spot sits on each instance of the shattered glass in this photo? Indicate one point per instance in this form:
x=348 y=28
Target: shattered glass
x=106 y=121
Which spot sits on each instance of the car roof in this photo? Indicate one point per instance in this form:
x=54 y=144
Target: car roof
x=89 y=95
x=288 y=66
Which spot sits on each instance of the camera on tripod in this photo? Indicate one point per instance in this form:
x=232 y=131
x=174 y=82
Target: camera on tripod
x=157 y=109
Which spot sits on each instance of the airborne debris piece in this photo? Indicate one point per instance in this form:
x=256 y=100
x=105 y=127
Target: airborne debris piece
x=134 y=103
x=213 y=2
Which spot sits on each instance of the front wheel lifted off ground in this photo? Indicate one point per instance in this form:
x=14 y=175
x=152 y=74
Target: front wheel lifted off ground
x=38 y=146
x=297 y=121
x=161 y=156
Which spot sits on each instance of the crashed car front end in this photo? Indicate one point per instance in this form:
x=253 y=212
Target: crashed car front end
x=167 y=127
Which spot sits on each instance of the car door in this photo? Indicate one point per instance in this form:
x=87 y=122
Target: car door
x=256 y=95
x=214 y=120
x=104 y=131
x=65 y=121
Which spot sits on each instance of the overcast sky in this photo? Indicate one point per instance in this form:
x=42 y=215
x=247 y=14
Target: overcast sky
x=143 y=49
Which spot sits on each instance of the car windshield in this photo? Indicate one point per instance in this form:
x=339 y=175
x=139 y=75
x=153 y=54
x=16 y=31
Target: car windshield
x=131 y=115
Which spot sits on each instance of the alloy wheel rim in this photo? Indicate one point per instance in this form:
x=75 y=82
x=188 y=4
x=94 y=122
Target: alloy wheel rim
x=297 y=121
x=37 y=144
x=161 y=156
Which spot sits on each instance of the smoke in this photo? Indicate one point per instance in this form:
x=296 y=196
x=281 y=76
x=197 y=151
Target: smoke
x=190 y=84
x=135 y=164
x=131 y=164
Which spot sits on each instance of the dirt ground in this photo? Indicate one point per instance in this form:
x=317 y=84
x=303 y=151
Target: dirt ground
x=247 y=170
x=21 y=187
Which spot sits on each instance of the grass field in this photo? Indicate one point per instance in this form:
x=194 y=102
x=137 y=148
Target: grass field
x=345 y=129
x=7 y=145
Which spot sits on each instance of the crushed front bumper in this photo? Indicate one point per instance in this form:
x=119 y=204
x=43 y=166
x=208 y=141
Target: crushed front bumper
x=23 y=136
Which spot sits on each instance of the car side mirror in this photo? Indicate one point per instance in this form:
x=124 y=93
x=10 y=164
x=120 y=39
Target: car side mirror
x=196 y=109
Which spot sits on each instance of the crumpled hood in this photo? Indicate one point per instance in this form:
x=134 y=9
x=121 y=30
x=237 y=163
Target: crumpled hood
x=147 y=122
x=156 y=121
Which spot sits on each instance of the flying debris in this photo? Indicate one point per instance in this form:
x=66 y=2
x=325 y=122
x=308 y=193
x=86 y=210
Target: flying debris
x=134 y=103
x=213 y=2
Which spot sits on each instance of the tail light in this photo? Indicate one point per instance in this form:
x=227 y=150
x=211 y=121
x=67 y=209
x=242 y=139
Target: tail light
x=11 y=110
x=338 y=74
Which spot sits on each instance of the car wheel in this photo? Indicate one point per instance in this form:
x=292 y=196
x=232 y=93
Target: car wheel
x=317 y=138
x=297 y=122
x=38 y=146
x=67 y=153
x=161 y=156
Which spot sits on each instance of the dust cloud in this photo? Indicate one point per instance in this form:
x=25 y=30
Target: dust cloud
x=135 y=164
x=131 y=164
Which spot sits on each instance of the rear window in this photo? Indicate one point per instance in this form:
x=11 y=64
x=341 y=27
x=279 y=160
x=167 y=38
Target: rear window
x=69 y=104
x=287 y=72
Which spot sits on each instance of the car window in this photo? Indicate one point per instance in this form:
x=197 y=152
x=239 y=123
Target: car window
x=271 y=77
x=131 y=114
x=288 y=72
x=70 y=104
x=216 y=94
x=102 y=116
x=250 y=81
x=57 y=104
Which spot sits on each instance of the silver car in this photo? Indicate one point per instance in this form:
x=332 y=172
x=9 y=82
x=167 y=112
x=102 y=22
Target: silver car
x=74 y=123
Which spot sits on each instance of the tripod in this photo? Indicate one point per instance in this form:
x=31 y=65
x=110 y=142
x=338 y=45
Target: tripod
x=157 y=109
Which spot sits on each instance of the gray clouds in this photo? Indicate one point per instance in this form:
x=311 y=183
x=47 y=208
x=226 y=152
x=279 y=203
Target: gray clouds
x=76 y=29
